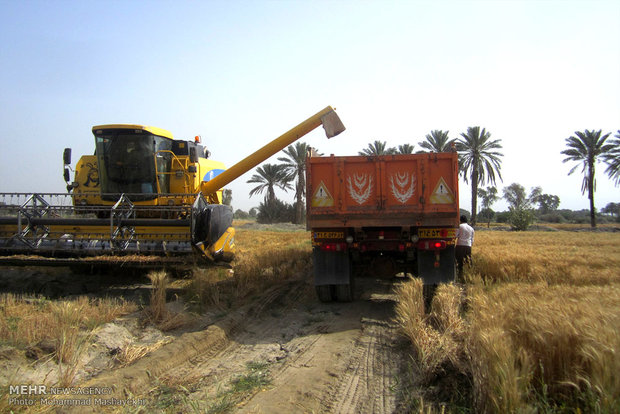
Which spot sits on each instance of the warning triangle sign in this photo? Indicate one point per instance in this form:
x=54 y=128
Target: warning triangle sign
x=442 y=193
x=322 y=197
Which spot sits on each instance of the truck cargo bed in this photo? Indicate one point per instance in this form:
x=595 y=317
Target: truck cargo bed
x=389 y=190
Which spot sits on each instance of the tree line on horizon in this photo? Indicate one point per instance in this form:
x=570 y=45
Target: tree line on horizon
x=479 y=164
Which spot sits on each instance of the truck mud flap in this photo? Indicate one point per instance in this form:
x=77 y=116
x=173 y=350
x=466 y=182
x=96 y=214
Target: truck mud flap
x=331 y=268
x=445 y=272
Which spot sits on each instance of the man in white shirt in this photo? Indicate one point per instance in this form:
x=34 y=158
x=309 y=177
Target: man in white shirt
x=465 y=239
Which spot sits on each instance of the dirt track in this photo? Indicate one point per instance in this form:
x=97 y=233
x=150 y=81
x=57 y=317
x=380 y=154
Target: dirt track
x=329 y=358
x=317 y=357
x=340 y=358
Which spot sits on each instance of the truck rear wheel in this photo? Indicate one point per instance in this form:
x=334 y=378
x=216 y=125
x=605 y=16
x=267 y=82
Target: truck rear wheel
x=324 y=292
x=344 y=293
x=332 y=275
x=428 y=291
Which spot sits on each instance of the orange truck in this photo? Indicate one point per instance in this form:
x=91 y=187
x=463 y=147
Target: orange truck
x=381 y=215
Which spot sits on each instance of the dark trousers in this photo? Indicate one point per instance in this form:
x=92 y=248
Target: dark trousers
x=462 y=255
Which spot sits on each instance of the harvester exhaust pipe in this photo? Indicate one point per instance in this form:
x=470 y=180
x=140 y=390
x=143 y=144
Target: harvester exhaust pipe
x=327 y=117
x=66 y=159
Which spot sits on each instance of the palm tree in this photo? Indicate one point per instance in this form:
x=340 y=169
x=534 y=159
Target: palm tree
x=378 y=148
x=295 y=167
x=405 y=149
x=612 y=158
x=268 y=177
x=479 y=161
x=437 y=141
x=585 y=148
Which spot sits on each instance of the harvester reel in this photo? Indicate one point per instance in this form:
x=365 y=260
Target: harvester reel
x=34 y=207
x=122 y=235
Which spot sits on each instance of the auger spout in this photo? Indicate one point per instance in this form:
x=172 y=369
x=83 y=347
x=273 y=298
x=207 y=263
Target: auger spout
x=327 y=117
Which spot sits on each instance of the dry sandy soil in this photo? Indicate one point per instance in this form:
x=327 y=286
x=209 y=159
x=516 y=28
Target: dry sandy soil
x=316 y=357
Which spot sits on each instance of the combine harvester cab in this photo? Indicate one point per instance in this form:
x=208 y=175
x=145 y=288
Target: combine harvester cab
x=144 y=199
x=382 y=215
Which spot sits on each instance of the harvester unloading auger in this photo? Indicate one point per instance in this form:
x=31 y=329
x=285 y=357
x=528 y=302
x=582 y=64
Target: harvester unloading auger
x=144 y=199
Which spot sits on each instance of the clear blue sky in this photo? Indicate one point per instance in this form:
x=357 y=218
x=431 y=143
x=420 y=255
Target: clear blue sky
x=240 y=73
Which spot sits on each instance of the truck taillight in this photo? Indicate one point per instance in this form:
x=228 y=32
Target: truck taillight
x=432 y=245
x=333 y=247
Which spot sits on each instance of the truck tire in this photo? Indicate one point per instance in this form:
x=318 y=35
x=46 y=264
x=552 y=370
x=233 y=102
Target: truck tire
x=331 y=270
x=428 y=291
x=344 y=293
x=324 y=292
x=432 y=274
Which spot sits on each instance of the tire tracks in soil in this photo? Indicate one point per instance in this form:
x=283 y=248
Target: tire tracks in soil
x=136 y=379
x=350 y=366
x=322 y=357
x=369 y=381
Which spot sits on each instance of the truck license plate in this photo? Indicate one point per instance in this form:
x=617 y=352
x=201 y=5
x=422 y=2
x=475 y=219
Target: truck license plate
x=328 y=235
x=436 y=233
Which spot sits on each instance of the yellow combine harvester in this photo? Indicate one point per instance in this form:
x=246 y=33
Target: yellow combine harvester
x=143 y=199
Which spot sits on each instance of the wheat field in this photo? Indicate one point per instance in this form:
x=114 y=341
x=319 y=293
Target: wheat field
x=538 y=326
x=535 y=327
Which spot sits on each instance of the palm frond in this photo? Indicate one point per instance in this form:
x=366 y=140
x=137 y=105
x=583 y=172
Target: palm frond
x=612 y=159
x=478 y=152
x=585 y=148
x=405 y=149
x=377 y=148
x=269 y=176
x=437 y=141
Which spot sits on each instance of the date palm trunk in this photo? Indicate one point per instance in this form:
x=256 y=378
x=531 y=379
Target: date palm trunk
x=474 y=195
x=591 y=192
x=299 y=195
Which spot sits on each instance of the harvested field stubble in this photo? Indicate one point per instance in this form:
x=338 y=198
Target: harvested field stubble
x=57 y=335
x=55 y=331
x=541 y=330
x=27 y=321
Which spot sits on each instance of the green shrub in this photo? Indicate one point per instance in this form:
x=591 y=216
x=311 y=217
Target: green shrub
x=275 y=212
x=554 y=217
x=502 y=216
x=520 y=219
x=241 y=215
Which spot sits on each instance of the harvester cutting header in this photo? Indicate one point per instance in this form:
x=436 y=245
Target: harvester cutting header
x=143 y=198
